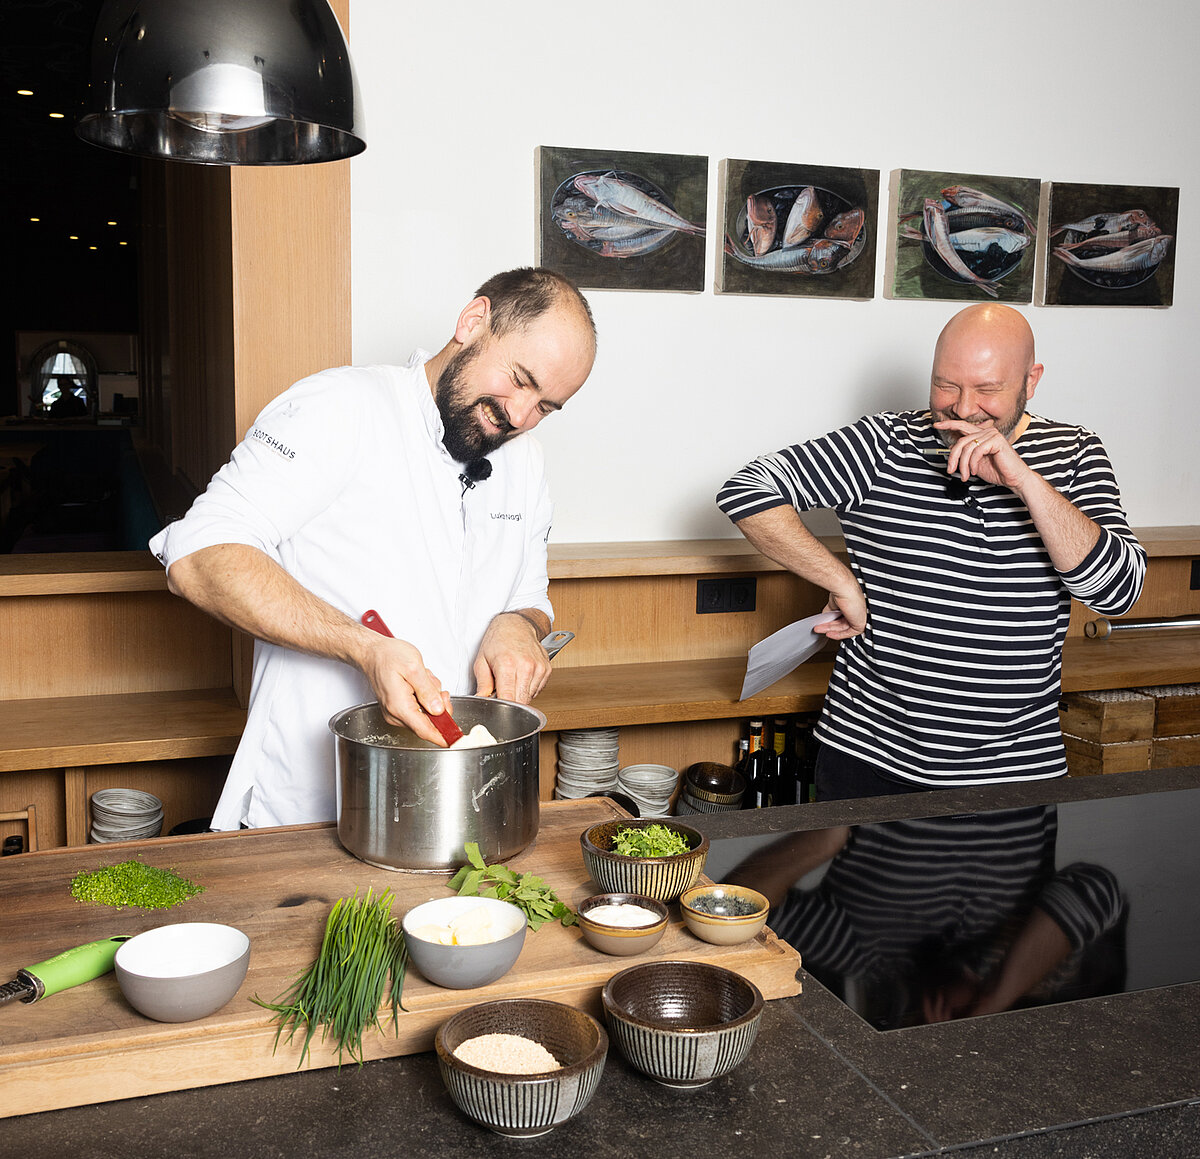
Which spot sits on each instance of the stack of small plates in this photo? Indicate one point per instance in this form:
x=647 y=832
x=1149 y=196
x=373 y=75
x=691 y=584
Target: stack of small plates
x=125 y=815
x=587 y=762
x=650 y=786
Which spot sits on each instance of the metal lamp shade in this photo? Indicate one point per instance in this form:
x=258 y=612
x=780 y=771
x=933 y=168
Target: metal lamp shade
x=223 y=82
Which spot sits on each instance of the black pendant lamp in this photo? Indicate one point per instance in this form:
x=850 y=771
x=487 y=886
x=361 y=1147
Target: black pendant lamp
x=223 y=82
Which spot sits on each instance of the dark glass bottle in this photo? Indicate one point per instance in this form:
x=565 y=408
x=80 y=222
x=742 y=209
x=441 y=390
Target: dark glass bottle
x=757 y=770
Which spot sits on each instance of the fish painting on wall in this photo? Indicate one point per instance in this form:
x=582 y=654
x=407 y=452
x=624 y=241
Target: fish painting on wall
x=1108 y=245
x=962 y=237
x=797 y=230
x=614 y=220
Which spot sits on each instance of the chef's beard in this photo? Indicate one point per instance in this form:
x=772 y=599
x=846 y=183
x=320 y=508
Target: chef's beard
x=463 y=434
x=1005 y=426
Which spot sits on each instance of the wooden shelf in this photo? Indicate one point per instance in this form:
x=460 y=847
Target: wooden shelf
x=629 y=694
x=59 y=732
x=716 y=556
x=70 y=573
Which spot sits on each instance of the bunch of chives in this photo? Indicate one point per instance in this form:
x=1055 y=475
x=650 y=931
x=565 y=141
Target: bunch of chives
x=363 y=949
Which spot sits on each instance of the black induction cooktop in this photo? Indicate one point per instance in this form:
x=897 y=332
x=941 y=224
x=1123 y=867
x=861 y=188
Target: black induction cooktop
x=928 y=919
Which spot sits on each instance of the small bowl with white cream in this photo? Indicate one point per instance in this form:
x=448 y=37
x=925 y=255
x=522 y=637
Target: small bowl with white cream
x=464 y=942
x=622 y=923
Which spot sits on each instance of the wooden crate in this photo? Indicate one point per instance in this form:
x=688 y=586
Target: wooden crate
x=1107 y=717
x=1176 y=709
x=1086 y=758
x=1172 y=752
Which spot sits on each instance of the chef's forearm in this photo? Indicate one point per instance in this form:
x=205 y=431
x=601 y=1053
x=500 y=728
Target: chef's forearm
x=535 y=617
x=246 y=589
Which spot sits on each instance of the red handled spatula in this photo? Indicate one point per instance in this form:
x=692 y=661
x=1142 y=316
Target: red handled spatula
x=443 y=721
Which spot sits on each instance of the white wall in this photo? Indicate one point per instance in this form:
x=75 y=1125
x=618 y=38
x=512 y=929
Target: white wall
x=688 y=387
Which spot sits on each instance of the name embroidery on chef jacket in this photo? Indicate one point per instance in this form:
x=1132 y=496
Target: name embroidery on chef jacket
x=511 y=516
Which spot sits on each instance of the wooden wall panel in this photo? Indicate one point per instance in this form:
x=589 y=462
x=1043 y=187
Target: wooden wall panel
x=44 y=790
x=83 y=645
x=640 y=619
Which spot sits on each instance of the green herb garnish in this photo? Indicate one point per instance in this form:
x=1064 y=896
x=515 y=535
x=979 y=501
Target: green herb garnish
x=527 y=891
x=652 y=841
x=343 y=989
x=133 y=883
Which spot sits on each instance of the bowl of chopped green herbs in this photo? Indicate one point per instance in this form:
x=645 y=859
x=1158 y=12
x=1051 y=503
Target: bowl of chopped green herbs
x=658 y=858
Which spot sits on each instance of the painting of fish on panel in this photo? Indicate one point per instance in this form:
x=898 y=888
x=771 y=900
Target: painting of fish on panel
x=962 y=237
x=797 y=230
x=615 y=220
x=1108 y=245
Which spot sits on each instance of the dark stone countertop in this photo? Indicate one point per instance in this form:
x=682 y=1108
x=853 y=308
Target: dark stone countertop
x=1105 y=1077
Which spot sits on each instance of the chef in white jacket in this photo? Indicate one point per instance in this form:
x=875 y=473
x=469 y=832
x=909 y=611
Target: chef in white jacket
x=400 y=488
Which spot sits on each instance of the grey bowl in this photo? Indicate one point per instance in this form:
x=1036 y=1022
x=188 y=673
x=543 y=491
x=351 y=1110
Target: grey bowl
x=464 y=967
x=622 y=941
x=182 y=972
x=662 y=878
x=682 y=1023
x=523 y=1106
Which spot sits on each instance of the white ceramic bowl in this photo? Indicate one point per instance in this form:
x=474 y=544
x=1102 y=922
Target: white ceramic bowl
x=465 y=967
x=182 y=972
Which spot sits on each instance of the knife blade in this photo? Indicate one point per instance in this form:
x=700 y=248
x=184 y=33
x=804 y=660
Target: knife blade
x=70 y=968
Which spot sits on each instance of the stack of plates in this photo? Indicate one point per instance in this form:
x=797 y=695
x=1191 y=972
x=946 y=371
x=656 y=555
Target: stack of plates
x=650 y=786
x=587 y=762
x=125 y=815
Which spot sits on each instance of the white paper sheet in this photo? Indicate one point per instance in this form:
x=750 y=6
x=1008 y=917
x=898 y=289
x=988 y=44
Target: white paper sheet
x=781 y=652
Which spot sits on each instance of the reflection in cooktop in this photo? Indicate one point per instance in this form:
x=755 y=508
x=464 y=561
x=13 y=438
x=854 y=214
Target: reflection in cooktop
x=925 y=920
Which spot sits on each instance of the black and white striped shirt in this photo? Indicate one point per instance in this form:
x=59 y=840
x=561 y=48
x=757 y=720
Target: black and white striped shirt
x=956 y=678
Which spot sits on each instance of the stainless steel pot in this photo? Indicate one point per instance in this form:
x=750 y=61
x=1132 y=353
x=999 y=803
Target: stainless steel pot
x=407 y=804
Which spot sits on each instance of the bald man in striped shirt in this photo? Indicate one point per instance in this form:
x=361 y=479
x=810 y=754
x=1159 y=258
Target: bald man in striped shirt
x=969 y=526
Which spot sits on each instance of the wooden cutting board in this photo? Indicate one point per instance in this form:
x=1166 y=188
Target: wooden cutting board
x=88 y=1045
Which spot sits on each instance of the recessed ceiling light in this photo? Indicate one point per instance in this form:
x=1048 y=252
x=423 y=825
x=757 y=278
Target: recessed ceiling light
x=35 y=219
x=122 y=243
x=73 y=237
x=93 y=247
x=110 y=223
x=24 y=92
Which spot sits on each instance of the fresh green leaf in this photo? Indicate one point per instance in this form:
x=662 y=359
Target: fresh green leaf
x=528 y=891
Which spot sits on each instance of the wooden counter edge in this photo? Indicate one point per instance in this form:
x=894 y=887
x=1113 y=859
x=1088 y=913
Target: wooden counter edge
x=38 y=1080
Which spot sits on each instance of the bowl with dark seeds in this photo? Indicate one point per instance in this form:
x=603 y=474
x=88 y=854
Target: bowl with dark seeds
x=724 y=914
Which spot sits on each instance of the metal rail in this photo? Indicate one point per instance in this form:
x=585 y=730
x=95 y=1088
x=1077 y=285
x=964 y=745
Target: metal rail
x=1098 y=629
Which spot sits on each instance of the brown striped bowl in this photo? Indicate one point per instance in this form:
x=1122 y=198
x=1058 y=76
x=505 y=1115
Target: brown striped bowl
x=662 y=878
x=524 y=1105
x=682 y=1023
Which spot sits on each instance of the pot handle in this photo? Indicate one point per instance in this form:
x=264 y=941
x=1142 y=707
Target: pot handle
x=556 y=642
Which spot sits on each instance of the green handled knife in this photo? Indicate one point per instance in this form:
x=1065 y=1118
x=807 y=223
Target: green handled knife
x=70 y=968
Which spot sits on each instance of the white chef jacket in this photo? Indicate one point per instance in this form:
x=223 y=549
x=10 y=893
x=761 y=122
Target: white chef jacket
x=344 y=481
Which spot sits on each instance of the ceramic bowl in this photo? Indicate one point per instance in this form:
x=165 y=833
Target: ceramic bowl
x=464 y=967
x=723 y=781
x=524 y=1105
x=662 y=878
x=682 y=1023
x=716 y=920
x=622 y=940
x=182 y=972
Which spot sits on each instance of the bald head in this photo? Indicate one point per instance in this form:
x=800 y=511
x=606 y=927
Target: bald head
x=983 y=368
x=990 y=326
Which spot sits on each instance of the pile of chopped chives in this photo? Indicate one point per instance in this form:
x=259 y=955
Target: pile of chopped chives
x=363 y=949
x=134 y=884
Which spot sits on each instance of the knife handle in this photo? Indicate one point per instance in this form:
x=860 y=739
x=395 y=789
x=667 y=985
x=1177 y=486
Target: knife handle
x=72 y=967
x=442 y=721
